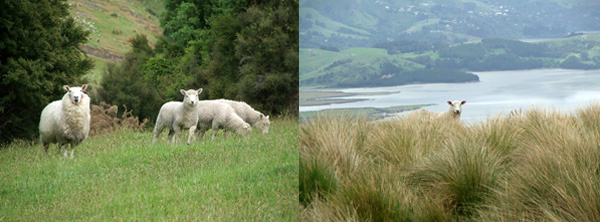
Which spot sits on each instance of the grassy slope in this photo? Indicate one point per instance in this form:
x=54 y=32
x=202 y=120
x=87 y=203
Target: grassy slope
x=122 y=176
x=313 y=64
x=331 y=26
x=131 y=17
x=535 y=165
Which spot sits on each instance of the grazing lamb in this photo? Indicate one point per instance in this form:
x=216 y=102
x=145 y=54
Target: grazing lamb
x=178 y=116
x=66 y=121
x=248 y=114
x=453 y=113
x=217 y=116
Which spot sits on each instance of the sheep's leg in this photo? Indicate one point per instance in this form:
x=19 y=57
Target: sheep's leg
x=66 y=152
x=46 y=146
x=157 y=131
x=191 y=135
x=178 y=132
x=72 y=150
x=214 y=134
x=225 y=133
x=200 y=133
x=171 y=133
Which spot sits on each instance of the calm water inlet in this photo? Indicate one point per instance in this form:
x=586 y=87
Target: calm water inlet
x=497 y=93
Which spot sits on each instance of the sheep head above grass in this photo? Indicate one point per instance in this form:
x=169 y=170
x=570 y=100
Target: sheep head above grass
x=454 y=111
x=263 y=124
x=190 y=96
x=75 y=93
x=456 y=106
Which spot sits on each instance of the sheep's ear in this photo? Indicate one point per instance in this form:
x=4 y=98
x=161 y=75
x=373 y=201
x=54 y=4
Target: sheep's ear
x=199 y=91
x=449 y=102
x=463 y=102
x=267 y=116
x=66 y=87
x=262 y=116
x=84 y=87
x=182 y=92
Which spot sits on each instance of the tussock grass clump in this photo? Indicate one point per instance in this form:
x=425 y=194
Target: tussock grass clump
x=532 y=165
x=461 y=176
x=316 y=180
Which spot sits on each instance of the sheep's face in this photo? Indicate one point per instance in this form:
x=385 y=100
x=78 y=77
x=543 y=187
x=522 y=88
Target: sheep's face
x=456 y=106
x=245 y=129
x=190 y=96
x=75 y=93
x=263 y=124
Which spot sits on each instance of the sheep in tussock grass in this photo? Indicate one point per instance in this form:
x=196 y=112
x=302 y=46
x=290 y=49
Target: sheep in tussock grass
x=215 y=115
x=452 y=113
x=178 y=116
x=248 y=114
x=66 y=121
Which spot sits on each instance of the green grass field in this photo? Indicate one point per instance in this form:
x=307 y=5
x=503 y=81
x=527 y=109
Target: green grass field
x=532 y=165
x=121 y=176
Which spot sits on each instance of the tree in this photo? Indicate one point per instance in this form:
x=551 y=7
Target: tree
x=39 y=53
x=124 y=83
x=267 y=49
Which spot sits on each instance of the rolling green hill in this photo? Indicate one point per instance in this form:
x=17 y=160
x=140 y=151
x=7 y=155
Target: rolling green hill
x=111 y=24
x=364 y=23
x=322 y=67
x=406 y=62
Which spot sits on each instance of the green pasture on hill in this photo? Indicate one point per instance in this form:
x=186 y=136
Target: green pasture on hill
x=122 y=176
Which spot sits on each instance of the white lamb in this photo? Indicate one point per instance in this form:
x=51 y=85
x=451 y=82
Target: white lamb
x=178 y=116
x=66 y=121
x=248 y=114
x=452 y=113
x=215 y=115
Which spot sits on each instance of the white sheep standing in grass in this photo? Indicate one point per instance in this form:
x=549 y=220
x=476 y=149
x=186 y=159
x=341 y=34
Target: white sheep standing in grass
x=66 y=121
x=452 y=113
x=215 y=115
x=178 y=116
x=249 y=114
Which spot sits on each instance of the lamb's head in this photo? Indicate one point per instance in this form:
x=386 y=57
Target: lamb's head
x=456 y=106
x=75 y=93
x=244 y=129
x=190 y=97
x=263 y=124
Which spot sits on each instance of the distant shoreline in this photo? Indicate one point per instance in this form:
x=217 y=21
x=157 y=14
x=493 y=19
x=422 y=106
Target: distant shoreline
x=319 y=97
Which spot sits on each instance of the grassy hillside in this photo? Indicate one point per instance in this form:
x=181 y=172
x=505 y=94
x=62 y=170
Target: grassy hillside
x=327 y=26
x=534 y=165
x=367 y=66
x=111 y=24
x=121 y=176
x=324 y=23
x=354 y=63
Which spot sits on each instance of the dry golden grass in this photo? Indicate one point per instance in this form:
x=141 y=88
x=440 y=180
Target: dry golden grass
x=104 y=119
x=532 y=165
